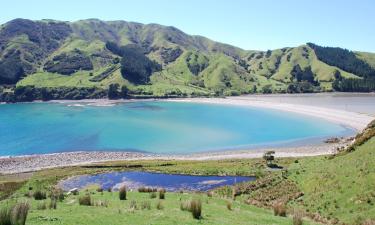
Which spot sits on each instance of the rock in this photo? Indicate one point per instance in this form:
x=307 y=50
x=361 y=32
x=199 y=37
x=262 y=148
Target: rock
x=73 y=191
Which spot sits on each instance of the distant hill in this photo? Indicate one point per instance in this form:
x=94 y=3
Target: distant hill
x=156 y=60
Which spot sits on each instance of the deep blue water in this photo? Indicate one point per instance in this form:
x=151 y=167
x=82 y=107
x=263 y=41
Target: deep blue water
x=134 y=180
x=157 y=127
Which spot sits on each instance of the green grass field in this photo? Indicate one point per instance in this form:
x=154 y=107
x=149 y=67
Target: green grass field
x=214 y=211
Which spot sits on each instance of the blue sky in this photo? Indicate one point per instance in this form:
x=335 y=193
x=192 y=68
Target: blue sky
x=249 y=24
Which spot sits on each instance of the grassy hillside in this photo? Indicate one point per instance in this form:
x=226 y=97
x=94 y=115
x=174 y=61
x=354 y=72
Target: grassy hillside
x=339 y=187
x=69 y=54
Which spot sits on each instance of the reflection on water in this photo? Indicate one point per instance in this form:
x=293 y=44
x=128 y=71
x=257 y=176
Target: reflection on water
x=134 y=180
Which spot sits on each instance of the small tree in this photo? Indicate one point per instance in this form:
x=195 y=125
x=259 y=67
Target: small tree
x=124 y=91
x=113 y=92
x=269 y=157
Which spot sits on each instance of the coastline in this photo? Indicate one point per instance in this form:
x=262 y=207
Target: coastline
x=31 y=163
x=354 y=120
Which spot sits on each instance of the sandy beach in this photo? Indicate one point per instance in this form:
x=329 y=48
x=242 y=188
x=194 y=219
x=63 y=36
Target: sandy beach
x=354 y=120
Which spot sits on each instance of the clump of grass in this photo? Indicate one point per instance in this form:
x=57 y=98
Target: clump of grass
x=297 y=218
x=185 y=206
x=196 y=208
x=160 y=205
x=229 y=205
x=133 y=205
x=41 y=205
x=5 y=215
x=85 y=200
x=57 y=193
x=101 y=203
x=152 y=195
x=122 y=193
x=53 y=203
x=147 y=189
x=162 y=193
x=279 y=209
x=14 y=215
x=146 y=205
x=39 y=195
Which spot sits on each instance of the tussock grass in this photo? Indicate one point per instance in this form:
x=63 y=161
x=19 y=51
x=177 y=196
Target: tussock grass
x=279 y=209
x=39 y=195
x=194 y=206
x=85 y=200
x=159 y=205
x=162 y=193
x=14 y=215
x=122 y=193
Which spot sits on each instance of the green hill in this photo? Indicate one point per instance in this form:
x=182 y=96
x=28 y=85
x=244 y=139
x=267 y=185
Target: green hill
x=54 y=54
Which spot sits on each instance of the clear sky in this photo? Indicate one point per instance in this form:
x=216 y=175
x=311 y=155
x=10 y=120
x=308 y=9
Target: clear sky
x=249 y=24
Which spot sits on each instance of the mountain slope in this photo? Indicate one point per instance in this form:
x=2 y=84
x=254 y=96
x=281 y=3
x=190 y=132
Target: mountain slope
x=54 y=54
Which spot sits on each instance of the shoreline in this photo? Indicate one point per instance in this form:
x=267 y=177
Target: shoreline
x=356 y=121
x=32 y=163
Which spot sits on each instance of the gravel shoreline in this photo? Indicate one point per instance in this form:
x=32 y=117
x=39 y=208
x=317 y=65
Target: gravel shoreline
x=22 y=164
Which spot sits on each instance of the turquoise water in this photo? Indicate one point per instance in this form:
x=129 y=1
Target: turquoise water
x=157 y=127
x=136 y=179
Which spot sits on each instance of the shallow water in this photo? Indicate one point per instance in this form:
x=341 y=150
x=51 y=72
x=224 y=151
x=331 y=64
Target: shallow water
x=134 y=180
x=153 y=126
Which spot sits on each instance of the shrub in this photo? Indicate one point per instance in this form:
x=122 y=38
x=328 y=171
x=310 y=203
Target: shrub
x=85 y=200
x=53 y=203
x=229 y=205
x=196 y=209
x=39 y=195
x=19 y=213
x=160 y=205
x=122 y=193
x=152 y=195
x=41 y=206
x=162 y=193
x=99 y=189
x=146 y=205
x=279 y=209
x=210 y=194
x=109 y=189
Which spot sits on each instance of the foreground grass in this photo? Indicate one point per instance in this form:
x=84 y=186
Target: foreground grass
x=120 y=212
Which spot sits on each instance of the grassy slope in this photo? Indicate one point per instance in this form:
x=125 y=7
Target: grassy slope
x=342 y=187
x=119 y=212
x=279 y=64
